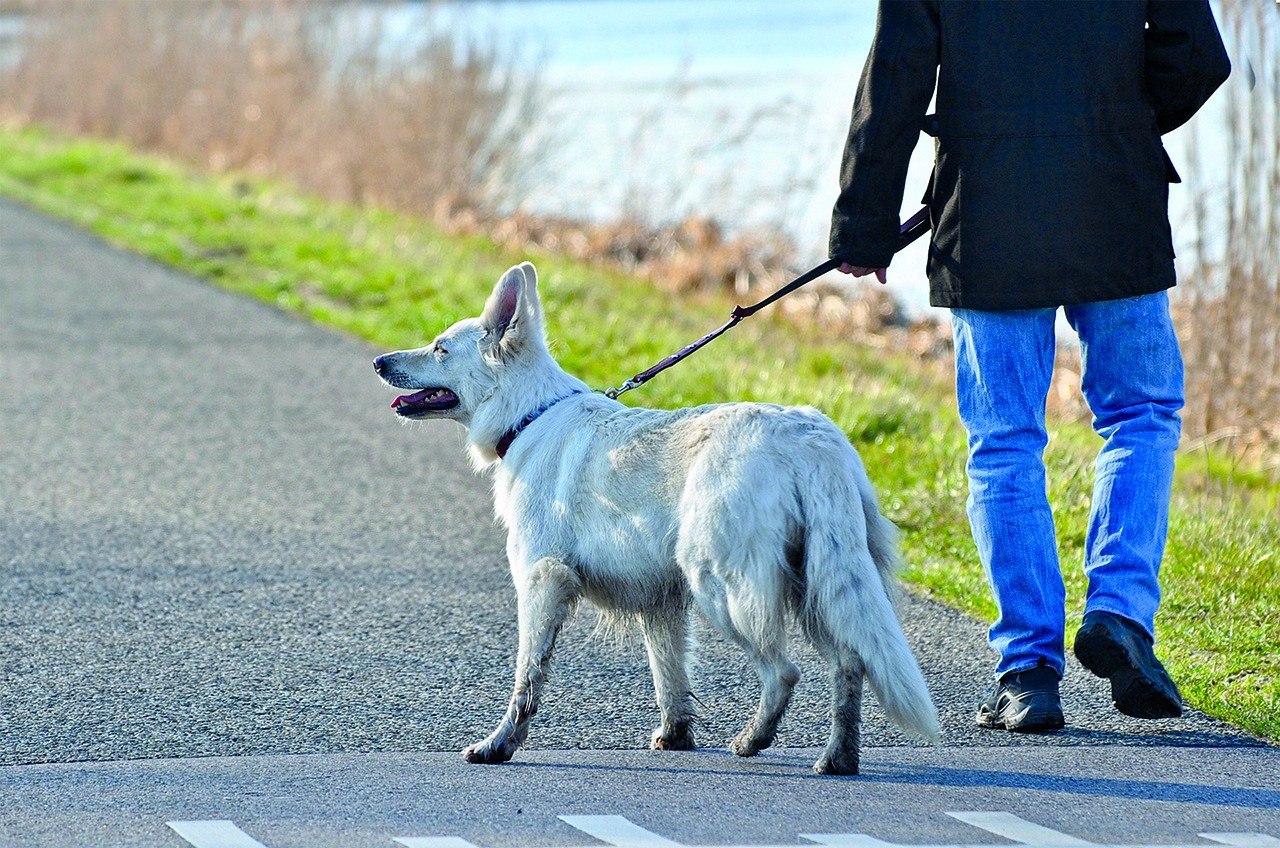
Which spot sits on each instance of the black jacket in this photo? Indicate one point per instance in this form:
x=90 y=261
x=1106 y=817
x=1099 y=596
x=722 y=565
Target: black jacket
x=1051 y=183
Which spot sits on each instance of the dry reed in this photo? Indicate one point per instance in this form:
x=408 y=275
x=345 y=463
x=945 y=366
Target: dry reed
x=309 y=92
x=1229 y=311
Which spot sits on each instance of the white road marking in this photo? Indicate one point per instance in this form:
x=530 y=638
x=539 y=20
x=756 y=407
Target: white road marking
x=623 y=833
x=860 y=840
x=618 y=831
x=1017 y=829
x=218 y=833
x=847 y=840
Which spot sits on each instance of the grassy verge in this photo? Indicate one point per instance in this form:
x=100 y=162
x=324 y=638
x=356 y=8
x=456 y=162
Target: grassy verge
x=396 y=280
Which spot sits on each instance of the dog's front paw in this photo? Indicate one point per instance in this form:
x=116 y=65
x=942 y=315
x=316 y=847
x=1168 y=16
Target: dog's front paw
x=837 y=763
x=675 y=740
x=489 y=752
x=748 y=743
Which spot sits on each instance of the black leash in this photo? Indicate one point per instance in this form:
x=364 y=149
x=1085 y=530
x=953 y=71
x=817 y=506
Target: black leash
x=914 y=227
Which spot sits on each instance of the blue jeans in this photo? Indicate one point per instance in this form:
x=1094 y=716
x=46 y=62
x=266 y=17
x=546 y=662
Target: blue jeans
x=1132 y=380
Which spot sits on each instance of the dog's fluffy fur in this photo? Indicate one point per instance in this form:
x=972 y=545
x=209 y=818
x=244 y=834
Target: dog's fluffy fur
x=750 y=511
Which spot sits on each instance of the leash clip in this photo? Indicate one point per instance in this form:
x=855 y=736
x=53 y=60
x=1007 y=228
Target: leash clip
x=614 y=392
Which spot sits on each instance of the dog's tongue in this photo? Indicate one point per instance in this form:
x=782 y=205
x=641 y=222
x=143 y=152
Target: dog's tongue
x=413 y=398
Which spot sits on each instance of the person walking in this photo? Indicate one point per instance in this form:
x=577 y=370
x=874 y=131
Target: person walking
x=1049 y=189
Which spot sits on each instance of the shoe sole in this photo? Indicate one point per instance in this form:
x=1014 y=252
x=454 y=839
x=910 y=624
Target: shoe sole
x=1041 y=723
x=988 y=720
x=1134 y=694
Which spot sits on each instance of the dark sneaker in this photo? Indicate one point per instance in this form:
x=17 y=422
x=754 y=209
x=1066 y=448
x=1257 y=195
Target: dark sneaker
x=1120 y=650
x=1024 y=702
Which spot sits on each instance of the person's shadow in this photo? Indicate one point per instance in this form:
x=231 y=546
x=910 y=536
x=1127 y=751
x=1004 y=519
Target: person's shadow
x=1145 y=790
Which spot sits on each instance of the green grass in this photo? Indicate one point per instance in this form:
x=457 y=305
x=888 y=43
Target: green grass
x=395 y=280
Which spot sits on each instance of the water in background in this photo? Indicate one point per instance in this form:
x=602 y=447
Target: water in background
x=734 y=109
x=731 y=109
x=10 y=30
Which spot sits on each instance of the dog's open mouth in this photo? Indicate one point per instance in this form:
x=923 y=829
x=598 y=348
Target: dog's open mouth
x=423 y=403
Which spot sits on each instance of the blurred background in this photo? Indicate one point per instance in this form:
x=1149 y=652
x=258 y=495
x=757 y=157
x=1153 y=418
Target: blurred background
x=695 y=142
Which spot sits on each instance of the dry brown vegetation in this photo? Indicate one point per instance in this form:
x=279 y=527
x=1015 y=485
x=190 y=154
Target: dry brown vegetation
x=284 y=89
x=309 y=92
x=1229 y=312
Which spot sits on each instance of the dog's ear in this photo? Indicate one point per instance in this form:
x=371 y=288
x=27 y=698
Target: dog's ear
x=532 y=302
x=513 y=315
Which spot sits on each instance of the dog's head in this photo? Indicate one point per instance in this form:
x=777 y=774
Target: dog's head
x=455 y=374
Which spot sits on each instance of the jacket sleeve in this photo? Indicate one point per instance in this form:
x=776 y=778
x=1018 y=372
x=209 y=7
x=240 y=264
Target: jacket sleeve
x=888 y=114
x=1185 y=59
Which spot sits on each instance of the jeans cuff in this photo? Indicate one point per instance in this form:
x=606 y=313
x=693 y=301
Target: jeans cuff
x=1027 y=666
x=1127 y=615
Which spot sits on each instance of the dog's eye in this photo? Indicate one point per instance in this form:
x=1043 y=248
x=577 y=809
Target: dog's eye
x=441 y=353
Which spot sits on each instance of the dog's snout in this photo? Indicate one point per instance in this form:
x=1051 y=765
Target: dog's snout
x=380 y=365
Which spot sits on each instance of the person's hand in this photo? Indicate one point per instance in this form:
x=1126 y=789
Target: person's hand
x=858 y=271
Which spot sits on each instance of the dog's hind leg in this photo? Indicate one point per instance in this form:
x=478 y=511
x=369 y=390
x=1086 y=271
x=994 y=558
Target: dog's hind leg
x=757 y=626
x=547 y=592
x=847 y=673
x=841 y=754
x=778 y=676
x=666 y=636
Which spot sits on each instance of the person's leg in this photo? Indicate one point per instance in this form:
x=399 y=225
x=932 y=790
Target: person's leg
x=1132 y=379
x=1004 y=362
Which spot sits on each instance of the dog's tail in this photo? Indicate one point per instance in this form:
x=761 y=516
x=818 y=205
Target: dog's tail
x=852 y=595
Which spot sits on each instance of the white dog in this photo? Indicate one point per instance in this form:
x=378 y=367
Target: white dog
x=749 y=510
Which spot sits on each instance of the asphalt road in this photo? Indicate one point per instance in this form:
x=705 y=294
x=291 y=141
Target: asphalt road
x=216 y=541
